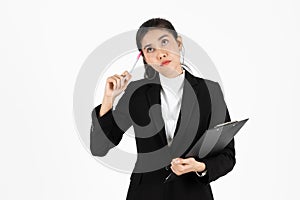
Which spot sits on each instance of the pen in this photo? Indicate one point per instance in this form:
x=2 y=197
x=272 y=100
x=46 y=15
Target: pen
x=137 y=59
x=168 y=177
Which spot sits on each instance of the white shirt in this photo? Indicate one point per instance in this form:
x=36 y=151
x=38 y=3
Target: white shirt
x=171 y=97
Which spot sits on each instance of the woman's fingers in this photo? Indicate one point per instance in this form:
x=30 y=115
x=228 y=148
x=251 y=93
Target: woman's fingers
x=116 y=80
x=178 y=169
x=183 y=161
x=181 y=166
x=126 y=76
x=125 y=73
x=181 y=169
x=119 y=81
x=112 y=81
x=123 y=79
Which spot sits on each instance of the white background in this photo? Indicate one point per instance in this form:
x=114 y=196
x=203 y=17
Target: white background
x=43 y=44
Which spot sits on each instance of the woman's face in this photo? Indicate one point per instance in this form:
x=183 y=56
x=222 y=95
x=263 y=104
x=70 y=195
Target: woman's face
x=162 y=51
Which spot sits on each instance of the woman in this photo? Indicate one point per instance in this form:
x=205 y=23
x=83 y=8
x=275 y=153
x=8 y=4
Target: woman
x=161 y=141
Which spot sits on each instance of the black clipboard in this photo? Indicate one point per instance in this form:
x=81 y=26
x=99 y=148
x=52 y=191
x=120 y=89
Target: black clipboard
x=213 y=141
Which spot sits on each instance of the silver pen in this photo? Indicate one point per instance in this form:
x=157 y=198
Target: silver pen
x=137 y=59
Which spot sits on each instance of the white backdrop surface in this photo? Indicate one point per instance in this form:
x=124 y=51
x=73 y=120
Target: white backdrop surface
x=43 y=44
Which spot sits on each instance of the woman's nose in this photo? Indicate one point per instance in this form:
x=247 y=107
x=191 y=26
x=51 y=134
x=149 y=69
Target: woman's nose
x=162 y=54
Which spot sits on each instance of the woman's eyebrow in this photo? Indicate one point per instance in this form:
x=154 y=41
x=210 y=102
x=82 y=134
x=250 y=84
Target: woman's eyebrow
x=157 y=39
x=162 y=37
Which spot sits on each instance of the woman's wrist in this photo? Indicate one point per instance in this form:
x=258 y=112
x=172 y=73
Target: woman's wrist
x=107 y=104
x=200 y=167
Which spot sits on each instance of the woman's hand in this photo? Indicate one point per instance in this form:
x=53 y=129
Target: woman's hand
x=181 y=166
x=114 y=86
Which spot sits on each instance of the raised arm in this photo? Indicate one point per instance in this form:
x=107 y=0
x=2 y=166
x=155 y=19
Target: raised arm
x=108 y=125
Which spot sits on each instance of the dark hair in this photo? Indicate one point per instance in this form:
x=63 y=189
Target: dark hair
x=143 y=29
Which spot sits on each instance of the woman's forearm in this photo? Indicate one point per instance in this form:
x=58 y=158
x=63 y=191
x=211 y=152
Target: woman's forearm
x=107 y=104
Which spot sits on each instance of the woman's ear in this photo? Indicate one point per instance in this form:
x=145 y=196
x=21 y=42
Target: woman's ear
x=179 y=42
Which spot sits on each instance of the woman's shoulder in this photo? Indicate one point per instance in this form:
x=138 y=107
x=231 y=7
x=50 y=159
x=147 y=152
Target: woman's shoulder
x=213 y=87
x=208 y=82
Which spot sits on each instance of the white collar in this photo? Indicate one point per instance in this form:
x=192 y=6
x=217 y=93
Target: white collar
x=173 y=84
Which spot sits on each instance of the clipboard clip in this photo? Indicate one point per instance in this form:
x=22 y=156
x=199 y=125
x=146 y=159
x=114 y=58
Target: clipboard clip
x=224 y=124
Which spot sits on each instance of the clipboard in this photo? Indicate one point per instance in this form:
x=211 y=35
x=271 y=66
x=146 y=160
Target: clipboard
x=213 y=141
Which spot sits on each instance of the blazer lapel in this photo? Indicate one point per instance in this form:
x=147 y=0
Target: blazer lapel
x=181 y=141
x=191 y=88
x=153 y=96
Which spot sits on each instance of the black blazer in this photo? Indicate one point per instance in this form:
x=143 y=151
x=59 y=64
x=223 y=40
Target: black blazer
x=202 y=107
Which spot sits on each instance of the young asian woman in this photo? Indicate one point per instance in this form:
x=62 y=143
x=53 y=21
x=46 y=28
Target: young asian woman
x=166 y=83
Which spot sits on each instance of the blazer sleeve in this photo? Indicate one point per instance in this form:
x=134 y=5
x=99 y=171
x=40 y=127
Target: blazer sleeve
x=222 y=163
x=107 y=131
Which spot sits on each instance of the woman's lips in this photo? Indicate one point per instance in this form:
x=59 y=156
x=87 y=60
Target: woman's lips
x=165 y=63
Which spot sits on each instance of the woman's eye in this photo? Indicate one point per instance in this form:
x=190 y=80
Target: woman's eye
x=149 y=50
x=165 y=41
